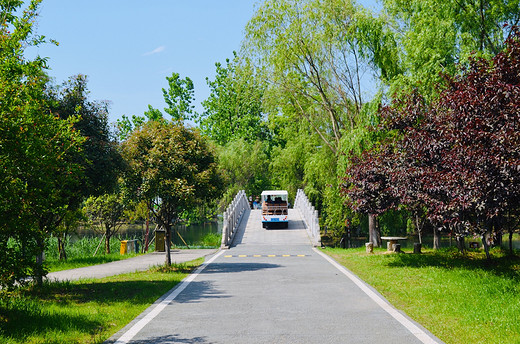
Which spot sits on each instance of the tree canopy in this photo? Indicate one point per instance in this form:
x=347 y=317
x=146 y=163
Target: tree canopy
x=171 y=167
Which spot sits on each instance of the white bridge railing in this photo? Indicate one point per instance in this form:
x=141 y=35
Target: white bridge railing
x=232 y=217
x=309 y=215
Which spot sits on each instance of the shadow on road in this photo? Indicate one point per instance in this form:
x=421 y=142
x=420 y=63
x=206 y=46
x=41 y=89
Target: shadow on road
x=216 y=268
x=167 y=339
x=201 y=290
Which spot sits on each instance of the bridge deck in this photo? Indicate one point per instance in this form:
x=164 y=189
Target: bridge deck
x=271 y=287
x=252 y=234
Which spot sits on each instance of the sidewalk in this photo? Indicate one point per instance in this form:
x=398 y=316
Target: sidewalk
x=140 y=263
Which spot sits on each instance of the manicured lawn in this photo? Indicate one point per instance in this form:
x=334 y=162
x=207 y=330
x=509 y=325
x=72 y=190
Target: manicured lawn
x=81 y=253
x=460 y=299
x=86 y=311
x=79 y=262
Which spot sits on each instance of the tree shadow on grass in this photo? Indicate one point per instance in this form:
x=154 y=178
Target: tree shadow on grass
x=25 y=313
x=505 y=266
x=136 y=292
x=23 y=322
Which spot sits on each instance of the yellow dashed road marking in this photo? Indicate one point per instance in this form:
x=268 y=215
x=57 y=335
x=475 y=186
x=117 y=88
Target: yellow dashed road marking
x=265 y=255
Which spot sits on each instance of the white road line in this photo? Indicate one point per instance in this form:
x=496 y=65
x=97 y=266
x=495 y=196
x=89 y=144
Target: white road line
x=128 y=335
x=410 y=326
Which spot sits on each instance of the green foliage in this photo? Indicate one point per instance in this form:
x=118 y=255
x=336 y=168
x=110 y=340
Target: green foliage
x=101 y=160
x=435 y=36
x=105 y=213
x=317 y=61
x=39 y=172
x=233 y=109
x=87 y=311
x=172 y=168
x=178 y=99
x=394 y=223
x=80 y=253
x=244 y=166
x=211 y=240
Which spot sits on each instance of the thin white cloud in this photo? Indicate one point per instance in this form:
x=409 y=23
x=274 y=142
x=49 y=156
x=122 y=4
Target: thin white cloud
x=157 y=50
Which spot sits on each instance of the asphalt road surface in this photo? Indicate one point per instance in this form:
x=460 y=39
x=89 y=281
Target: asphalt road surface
x=139 y=263
x=272 y=287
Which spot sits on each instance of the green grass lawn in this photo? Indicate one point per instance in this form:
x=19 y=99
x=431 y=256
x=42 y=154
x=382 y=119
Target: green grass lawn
x=88 y=311
x=460 y=299
x=54 y=265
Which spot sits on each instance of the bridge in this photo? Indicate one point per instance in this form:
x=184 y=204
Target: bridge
x=271 y=286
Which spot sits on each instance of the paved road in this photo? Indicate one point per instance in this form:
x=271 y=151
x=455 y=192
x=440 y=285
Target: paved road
x=139 y=263
x=272 y=287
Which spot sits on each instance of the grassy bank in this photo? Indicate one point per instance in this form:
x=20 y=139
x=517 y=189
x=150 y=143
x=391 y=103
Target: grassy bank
x=460 y=299
x=83 y=312
x=80 y=253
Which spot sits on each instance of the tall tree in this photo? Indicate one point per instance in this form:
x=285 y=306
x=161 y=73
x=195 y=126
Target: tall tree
x=101 y=159
x=434 y=36
x=243 y=166
x=233 y=109
x=459 y=156
x=173 y=168
x=38 y=173
x=318 y=56
x=178 y=98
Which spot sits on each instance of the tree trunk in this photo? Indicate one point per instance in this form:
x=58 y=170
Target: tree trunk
x=373 y=231
x=485 y=244
x=418 y=227
x=39 y=262
x=108 y=234
x=460 y=244
x=511 y=242
x=168 y=260
x=436 y=239
x=61 y=248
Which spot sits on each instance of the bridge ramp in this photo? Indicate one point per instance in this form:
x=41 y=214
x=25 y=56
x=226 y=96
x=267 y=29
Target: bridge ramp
x=251 y=233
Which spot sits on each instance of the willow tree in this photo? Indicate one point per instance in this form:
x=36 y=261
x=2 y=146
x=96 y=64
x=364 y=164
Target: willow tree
x=323 y=61
x=318 y=57
x=434 y=36
x=173 y=168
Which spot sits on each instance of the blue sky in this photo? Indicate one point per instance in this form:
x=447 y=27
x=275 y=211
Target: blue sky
x=128 y=47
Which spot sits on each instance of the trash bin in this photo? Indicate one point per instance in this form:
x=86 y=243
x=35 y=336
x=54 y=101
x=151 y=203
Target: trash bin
x=130 y=246
x=122 y=250
x=160 y=237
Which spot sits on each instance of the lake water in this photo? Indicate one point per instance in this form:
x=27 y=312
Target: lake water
x=192 y=234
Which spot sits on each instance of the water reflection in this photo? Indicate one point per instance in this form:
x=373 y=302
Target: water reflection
x=192 y=234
